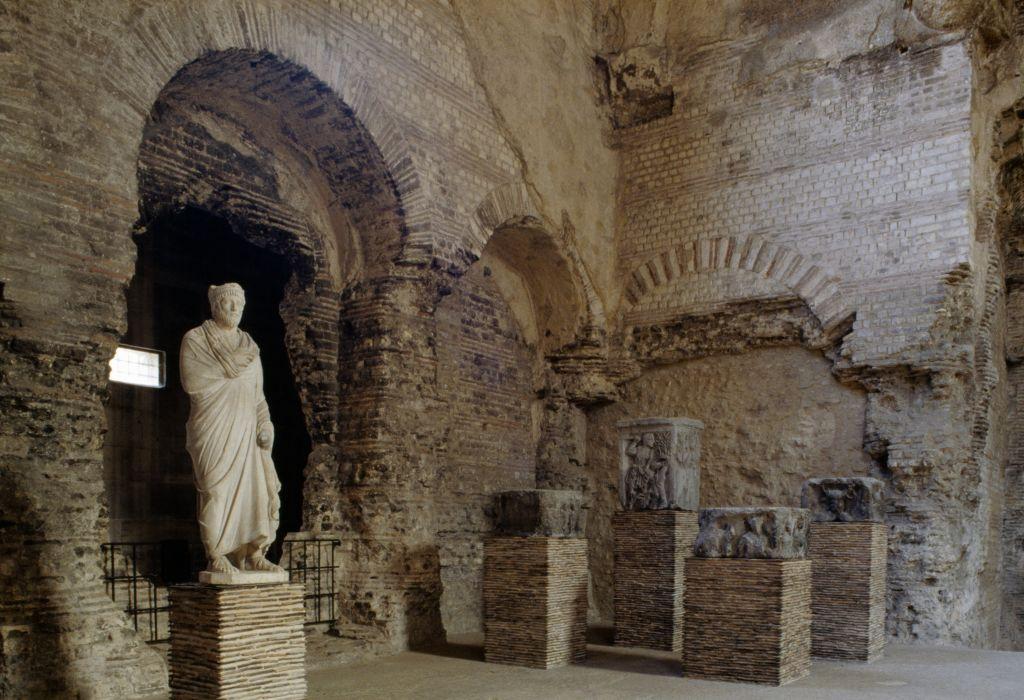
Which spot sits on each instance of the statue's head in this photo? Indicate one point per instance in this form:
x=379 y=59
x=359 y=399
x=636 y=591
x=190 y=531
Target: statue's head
x=226 y=304
x=648 y=439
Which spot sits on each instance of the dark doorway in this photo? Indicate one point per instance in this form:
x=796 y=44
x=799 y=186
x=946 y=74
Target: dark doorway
x=148 y=471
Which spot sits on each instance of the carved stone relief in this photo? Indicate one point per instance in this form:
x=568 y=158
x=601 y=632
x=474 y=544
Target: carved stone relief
x=659 y=464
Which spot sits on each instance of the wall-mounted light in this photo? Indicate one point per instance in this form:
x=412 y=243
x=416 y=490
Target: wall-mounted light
x=138 y=366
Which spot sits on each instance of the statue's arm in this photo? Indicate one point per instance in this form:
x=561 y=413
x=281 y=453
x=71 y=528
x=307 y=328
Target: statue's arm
x=264 y=426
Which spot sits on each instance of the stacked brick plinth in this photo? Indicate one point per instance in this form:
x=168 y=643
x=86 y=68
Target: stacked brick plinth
x=748 y=620
x=747 y=599
x=535 y=580
x=651 y=548
x=237 y=642
x=535 y=601
x=848 y=590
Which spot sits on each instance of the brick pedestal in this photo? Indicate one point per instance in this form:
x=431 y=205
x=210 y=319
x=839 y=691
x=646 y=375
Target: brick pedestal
x=848 y=590
x=535 y=601
x=651 y=548
x=747 y=620
x=237 y=642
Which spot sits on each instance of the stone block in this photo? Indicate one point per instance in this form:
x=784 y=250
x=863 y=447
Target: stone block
x=848 y=590
x=659 y=463
x=535 y=601
x=747 y=620
x=752 y=533
x=844 y=499
x=540 y=513
x=651 y=548
x=237 y=642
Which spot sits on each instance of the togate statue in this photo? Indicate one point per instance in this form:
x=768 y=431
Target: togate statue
x=229 y=437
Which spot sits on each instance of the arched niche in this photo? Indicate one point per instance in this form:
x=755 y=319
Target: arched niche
x=538 y=283
x=518 y=303
x=261 y=146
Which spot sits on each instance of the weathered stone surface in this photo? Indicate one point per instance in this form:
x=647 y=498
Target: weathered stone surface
x=823 y=158
x=651 y=548
x=747 y=620
x=846 y=499
x=659 y=463
x=848 y=589
x=928 y=337
x=237 y=642
x=638 y=86
x=765 y=439
x=752 y=533
x=535 y=601
x=539 y=512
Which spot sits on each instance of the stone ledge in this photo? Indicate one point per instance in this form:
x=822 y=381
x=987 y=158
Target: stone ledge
x=242 y=578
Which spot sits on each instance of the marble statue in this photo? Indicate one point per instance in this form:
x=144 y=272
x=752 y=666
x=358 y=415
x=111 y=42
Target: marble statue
x=229 y=437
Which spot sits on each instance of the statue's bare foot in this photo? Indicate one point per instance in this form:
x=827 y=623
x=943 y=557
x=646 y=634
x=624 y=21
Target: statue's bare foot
x=221 y=565
x=258 y=562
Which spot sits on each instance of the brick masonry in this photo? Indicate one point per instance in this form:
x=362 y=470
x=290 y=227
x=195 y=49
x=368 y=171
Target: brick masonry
x=838 y=171
x=748 y=620
x=848 y=590
x=846 y=189
x=850 y=174
x=237 y=642
x=651 y=548
x=535 y=601
x=253 y=131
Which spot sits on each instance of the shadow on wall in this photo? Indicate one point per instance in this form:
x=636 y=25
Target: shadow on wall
x=64 y=662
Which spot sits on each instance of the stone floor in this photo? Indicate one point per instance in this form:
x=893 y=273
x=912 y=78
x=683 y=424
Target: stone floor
x=457 y=670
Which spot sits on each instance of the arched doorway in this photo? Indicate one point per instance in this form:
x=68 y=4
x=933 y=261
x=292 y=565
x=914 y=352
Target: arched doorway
x=149 y=474
x=250 y=168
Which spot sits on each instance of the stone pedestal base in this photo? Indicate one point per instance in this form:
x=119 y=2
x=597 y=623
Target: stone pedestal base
x=237 y=642
x=747 y=620
x=650 y=550
x=235 y=578
x=848 y=590
x=535 y=601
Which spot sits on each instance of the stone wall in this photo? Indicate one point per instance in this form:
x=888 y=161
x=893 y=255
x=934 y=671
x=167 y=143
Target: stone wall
x=817 y=167
x=773 y=417
x=85 y=83
x=816 y=171
x=486 y=375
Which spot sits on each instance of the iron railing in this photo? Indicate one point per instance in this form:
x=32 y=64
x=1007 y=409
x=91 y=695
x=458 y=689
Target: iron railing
x=311 y=562
x=137 y=574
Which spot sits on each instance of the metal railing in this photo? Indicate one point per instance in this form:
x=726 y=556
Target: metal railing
x=137 y=574
x=312 y=562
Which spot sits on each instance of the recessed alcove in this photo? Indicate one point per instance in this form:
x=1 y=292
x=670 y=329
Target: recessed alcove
x=148 y=473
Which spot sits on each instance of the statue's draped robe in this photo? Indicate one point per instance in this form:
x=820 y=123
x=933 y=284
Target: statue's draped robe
x=238 y=487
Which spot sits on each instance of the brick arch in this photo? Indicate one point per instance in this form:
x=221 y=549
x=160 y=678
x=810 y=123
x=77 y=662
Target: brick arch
x=277 y=100
x=512 y=205
x=182 y=165
x=752 y=253
x=294 y=37
x=90 y=81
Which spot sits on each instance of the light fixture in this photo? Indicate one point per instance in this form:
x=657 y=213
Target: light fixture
x=138 y=366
